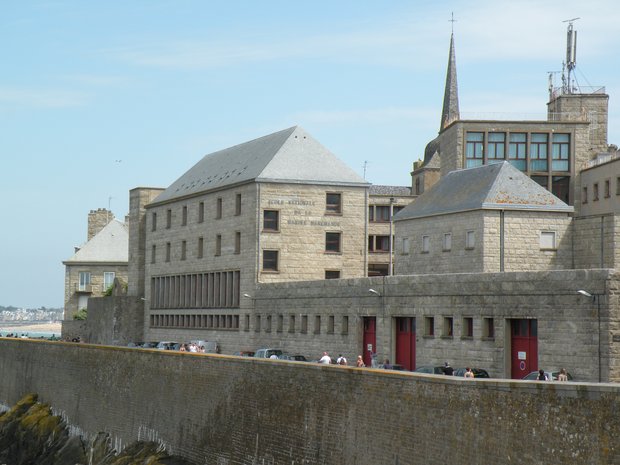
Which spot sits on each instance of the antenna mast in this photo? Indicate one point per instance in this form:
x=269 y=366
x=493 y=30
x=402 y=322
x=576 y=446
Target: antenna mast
x=568 y=86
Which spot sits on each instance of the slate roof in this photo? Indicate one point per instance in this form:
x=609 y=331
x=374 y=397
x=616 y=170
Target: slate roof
x=493 y=187
x=291 y=155
x=110 y=245
x=389 y=190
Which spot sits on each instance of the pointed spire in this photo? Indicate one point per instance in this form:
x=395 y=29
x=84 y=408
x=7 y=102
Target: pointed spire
x=450 y=111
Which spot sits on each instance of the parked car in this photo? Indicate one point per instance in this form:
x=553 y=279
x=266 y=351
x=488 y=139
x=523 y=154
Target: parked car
x=266 y=353
x=294 y=358
x=168 y=345
x=244 y=353
x=478 y=372
x=551 y=375
x=431 y=370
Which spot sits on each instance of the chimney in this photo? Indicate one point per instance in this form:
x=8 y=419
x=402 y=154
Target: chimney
x=97 y=220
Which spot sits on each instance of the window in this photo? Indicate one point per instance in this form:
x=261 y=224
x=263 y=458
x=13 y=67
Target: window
x=270 y=260
x=332 y=274
x=333 y=203
x=238 y=205
x=474 y=149
x=448 y=326
x=377 y=269
x=332 y=242
x=246 y=323
x=595 y=192
x=560 y=187
x=538 y=152
x=607 y=189
x=84 y=283
x=201 y=212
x=429 y=326
x=497 y=147
x=154 y=222
x=345 y=325
x=271 y=220
x=153 y=253
x=280 y=323
x=218 y=245
x=257 y=323
x=183 y=250
x=291 y=323
x=378 y=243
x=426 y=244
x=218 y=208
x=547 y=240
x=470 y=239
x=167 y=251
x=584 y=195
x=268 y=324
x=468 y=327
x=237 y=242
x=330 y=324
x=517 y=150
x=168 y=219
x=382 y=213
x=317 y=324
x=560 y=148
x=396 y=209
x=488 y=328
x=371 y=213
x=304 y=324
x=447 y=242
x=201 y=247
x=405 y=246
x=417 y=186
x=184 y=216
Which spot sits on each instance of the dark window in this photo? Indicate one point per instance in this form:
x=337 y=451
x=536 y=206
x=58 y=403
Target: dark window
x=167 y=251
x=201 y=212
x=333 y=203
x=183 y=250
x=168 y=218
x=270 y=260
x=378 y=269
x=218 y=209
x=382 y=213
x=474 y=149
x=468 y=327
x=184 y=216
x=238 y=205
x=378 y=243
x=560 y=186
x=270 y=220
x=595 y=192
x=154 y=225
x=237 y=242
x=332 y=274
x=584 y=195
x=218 y=244
x=332 y=242
x=429 y=326
x=607 y=189
x=153 y=253
x=201 y=246
x=371 y=211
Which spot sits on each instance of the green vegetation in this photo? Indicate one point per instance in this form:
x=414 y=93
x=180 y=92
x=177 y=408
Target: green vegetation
x=81 y=314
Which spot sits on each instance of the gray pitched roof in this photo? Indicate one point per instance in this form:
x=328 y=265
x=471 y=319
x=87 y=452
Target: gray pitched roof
x=110 y=245
x=291 y=156
x=389 y=190
x=494 y=187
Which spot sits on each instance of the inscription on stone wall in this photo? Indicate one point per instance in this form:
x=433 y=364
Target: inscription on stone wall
x=300 y=216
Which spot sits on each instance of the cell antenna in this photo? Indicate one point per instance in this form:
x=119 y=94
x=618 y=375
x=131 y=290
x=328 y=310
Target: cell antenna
x=571 y=56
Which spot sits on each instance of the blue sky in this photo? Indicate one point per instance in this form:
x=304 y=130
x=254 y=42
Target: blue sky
x=97 y=98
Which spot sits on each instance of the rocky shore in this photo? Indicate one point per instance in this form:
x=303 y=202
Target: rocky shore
x=30 y=434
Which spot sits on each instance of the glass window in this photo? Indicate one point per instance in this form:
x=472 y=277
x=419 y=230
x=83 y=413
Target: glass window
x=218 y=244
x=468 y=327
x=237 y=242
x=333 y=203
x=489 y=328
x=560 y=150
x=382 y=244
x=201 y=247
x=448 y=326
x=183 y=250
x=270 y=260
x=474 y=149
x=238 y=204
x=154 y=221
x=584 y=195
x=201 y=212
x=153 y=253
x=270 y=220
x=547 y=240
x=345 y=324
x=382 y=213
x=184 y=216
x=167 y=251
x=371 y=213
x=84 y=284
x=538 y=152
x=517 y=150
x=332 y=242
x=560 y=187
x=168 y=219
x=607 y=189
x=595 y=192
x=218 y=209
x=497 y=147
x=429 y=326
x=332 y=274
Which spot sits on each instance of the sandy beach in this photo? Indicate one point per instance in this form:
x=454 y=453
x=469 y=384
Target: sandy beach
x=31 y=327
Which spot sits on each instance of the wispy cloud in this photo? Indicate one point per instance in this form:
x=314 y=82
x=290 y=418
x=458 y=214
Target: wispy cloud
x=47 y=98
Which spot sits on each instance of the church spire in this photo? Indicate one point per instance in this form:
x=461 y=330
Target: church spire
x=450 y=111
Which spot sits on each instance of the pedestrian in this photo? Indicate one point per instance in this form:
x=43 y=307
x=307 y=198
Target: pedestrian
x=325 y=359
x=387 y=365
x=341 y=360
x=542 y=376
x=469 y=373
x=447 y=369
x=360 y=362
x=563 y=376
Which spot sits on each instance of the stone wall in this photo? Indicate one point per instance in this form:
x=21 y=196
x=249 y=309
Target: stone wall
x=220 y=410
x=596 y=241
x=97 y=220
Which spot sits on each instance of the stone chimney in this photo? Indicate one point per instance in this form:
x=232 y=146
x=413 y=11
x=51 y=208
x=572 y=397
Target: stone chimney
x=97 y=220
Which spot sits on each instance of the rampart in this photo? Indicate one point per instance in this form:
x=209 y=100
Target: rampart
x=222 y=410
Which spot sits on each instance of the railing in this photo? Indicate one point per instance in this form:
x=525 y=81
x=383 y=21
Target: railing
x=83 y=287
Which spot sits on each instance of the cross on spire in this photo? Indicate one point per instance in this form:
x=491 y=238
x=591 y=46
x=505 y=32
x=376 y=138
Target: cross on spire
x=452 y=20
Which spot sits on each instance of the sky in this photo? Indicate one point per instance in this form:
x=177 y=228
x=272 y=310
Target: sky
x=97 y=98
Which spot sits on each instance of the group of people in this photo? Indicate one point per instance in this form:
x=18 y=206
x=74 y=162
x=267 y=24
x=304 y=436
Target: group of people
x=341 y=360
x=542 y=376
x=192 y=347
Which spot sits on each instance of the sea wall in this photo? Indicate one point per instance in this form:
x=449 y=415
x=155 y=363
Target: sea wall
x=220 y=410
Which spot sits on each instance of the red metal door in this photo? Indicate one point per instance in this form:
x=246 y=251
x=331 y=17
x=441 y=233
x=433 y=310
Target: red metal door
x=524 y=347
x=369 y=346
x=405 y=342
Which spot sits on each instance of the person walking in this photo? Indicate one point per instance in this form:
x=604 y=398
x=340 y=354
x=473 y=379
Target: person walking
x=563 y=376
x=360 y=362
x=341 y=360
x=447 y=369
x=542 y=376
x=469 y=373
x=325 y=359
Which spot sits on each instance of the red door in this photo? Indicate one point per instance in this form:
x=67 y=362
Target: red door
x=405 y=342
x=524 y=347
x=369 y=346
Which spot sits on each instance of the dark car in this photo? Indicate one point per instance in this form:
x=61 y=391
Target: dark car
x=551 y=376
x=478 y=372
x=431 y=370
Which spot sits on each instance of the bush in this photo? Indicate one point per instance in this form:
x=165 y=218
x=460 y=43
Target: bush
x=81 y=314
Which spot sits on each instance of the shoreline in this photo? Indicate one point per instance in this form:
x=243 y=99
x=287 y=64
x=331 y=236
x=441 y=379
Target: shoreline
x=44 y=327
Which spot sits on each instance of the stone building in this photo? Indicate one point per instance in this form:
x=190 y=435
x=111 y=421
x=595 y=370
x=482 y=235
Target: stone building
x=91 y=270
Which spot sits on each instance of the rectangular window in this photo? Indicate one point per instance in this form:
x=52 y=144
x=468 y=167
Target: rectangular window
x=270 y=260
x=332 y=274
x=304 y=324
x=332 y=242
x=218 y=209
x=488 y=328
x=218 y=245
x=183 y=250
x=595 y=192
x=268 y=324
x=184 y=216
x=201 y=212
x=429 y=326
x=108 y=279
x=201 y=247
x=448 y=326
x=378 y=243
x=547 y=240
x=382 y=214
x=470 y=239
x=371 y=213
x=584 y=195
x=345 y=325
x=447 y=242
x=333 y=203
x=317 y=324
x=167 y=251
x=560 y=149
x=168 y=219
x=153 y=253
x=280 y=323
x=246 y=324
x=405 y=246
x=257 y=323
x=154 y=222
x=474 y=149
x=291 y=323
x=330 y=324
x=496 y=150
x=238 y=205
x=607 y=189
x=517 y=150
x=237 y=242
x=538 y=152
x=426 y=244
x=468 y=327
x=271 y=220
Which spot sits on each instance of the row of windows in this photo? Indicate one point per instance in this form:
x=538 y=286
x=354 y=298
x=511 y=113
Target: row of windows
x=595 y=190
x=84 y=280
x=294 y=323
x=195 y=321
x=333 y=206
x=525 y=151
x=203 y=290
x=200 y=248
x=381 y=213
x=467 y=327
